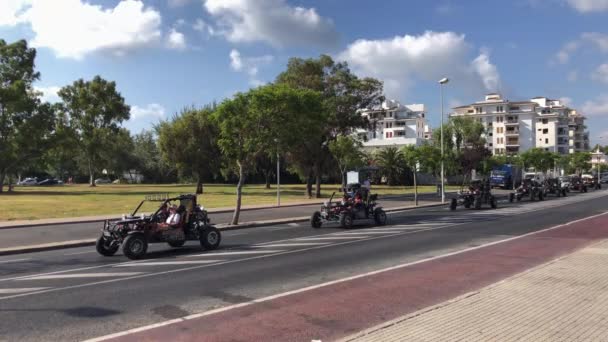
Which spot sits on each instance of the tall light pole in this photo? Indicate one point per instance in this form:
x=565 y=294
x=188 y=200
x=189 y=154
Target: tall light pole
x=441 y=83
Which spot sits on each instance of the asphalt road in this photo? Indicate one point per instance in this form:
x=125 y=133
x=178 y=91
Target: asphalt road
x=75 y=294
x=22 y=236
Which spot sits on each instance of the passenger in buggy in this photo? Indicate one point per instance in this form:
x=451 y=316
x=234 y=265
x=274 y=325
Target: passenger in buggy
x=174 y=220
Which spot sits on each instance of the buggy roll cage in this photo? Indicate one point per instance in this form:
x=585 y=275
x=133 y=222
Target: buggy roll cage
x=164 y=198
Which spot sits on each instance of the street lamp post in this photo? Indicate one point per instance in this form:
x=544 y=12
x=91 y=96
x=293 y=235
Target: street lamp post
x=441 y=83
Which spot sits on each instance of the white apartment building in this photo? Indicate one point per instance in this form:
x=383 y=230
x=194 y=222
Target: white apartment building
x=514 y=127
x=395 y=124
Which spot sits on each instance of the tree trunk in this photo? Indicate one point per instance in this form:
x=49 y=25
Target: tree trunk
x=91 y=176
x=415 y=189
x=267 y=175
x=2 y=175
x=309 y=184
x=317 y=167
x=10 y=184
x=199 y=185
x=239 y=193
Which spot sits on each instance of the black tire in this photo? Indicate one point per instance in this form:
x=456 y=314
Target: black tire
x=176 y=243
x=210 y=238
x=103 y=247
x=541 y=196
x=346 y=221
x=559 y=193
x=135 y=246
x=585 y=189
x=467 y=204
x=518 y=198
x=315 y=220
x=379 y=217
x=511 y=197
x=493 y=202
x=453 y=204
x=477 y=203
x=564 y=192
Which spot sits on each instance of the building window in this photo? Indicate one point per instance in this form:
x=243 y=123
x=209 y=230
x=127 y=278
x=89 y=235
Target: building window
x=500 y=129
x=545 y=131
x=546 y=141
x=545 y=121
x=499 y=109
x=478 y=110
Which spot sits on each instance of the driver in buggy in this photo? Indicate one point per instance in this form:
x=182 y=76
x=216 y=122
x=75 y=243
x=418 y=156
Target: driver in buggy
x=174 y=219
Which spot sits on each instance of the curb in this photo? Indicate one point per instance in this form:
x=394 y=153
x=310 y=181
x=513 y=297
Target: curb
x=244 y=225
x=210 y=211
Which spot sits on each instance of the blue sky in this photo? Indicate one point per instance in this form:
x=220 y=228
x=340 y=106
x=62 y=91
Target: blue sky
x=167 y=54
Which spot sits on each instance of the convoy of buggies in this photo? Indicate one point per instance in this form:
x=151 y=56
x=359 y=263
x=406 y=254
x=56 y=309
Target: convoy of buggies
x=357 y=205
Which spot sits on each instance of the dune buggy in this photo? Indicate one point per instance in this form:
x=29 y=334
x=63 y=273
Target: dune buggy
x=135 y=232
x=347 y=211
x=529 y=188
x=479 y=193
x=577 y=184
x=555 y=187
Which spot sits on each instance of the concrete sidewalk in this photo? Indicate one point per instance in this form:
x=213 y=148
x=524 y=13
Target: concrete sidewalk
x=564 y=300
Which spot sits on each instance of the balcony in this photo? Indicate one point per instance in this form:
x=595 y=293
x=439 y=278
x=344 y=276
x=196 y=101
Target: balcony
x=512 y=143
x=511 y=122
x=513 y=132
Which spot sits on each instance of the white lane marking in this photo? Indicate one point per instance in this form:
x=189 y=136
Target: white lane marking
x=21 y=290
x=161 y=263
x=367 y=233
x=82 y=275
x=313 y=287
x=293 y=224
x=215 y=254
x=64 y=271
x=333 y=238
x=87 y=252
x=295 y=244
x=14 y=260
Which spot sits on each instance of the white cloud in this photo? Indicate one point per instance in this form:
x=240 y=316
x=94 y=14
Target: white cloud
x=176 y=40
x=150 y=111
x=271 y=21
x=49 y=94
x=73 y=28
x=402 y=60
x=587 y=6
x=593 y=39
x=201 y=26
x=566 y=101
x=249 y=65
x=11 y=11
x=572 y=76
x=601 y=73
x=596 y=107
x=178 y=3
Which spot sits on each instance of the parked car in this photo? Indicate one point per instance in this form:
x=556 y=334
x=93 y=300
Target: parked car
x=28 y=182
x=103 y=181
x=50 y=181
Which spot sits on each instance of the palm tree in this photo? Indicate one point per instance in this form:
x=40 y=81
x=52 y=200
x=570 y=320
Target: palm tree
x=391 y=163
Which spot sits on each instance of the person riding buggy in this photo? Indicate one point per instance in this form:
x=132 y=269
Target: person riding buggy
x=357 y=204
x=555 y=187
x=529 y=188
x=478 y=193
x=172 y=224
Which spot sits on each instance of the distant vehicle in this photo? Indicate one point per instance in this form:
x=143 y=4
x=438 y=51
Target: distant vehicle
x=529 y=188
x=103 y=181
x=604 y=179
x=505 y=176
x=50 y=181
x=555 y=187
x=591 y=181
x=577 y=184
x=28 y=182
x=535 y=176
x=477 y=194
x=565 y=182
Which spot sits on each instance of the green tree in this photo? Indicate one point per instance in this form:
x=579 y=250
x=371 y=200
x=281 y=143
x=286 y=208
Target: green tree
x=347 y=152
x=343 y=95
x=118 y=157
x=189 y=141
x=540 y=159
x=96 y=110
x=391 y=163
x=62 y=156
x=149 y=160
x=26 y=127
x=253 y=122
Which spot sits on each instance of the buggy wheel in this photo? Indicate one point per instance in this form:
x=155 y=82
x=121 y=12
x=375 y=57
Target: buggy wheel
x=564 y=193
x=104 y=247
x=210 y=238
x=453 y=204
x=477 y=203
x=135 y=246
x=346 y=220
x=176 y=243
x=559 y=193
x=380 y=217
x=315 y=220
x=511 y=197
x=467 y=204
x=493 y=203
x=541 y=196
x=518 y=198
x=585 y=189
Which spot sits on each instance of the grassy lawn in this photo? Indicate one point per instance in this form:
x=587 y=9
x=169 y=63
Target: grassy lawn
x=29 y=203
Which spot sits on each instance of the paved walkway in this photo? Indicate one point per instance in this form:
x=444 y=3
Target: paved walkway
x=564 y=300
